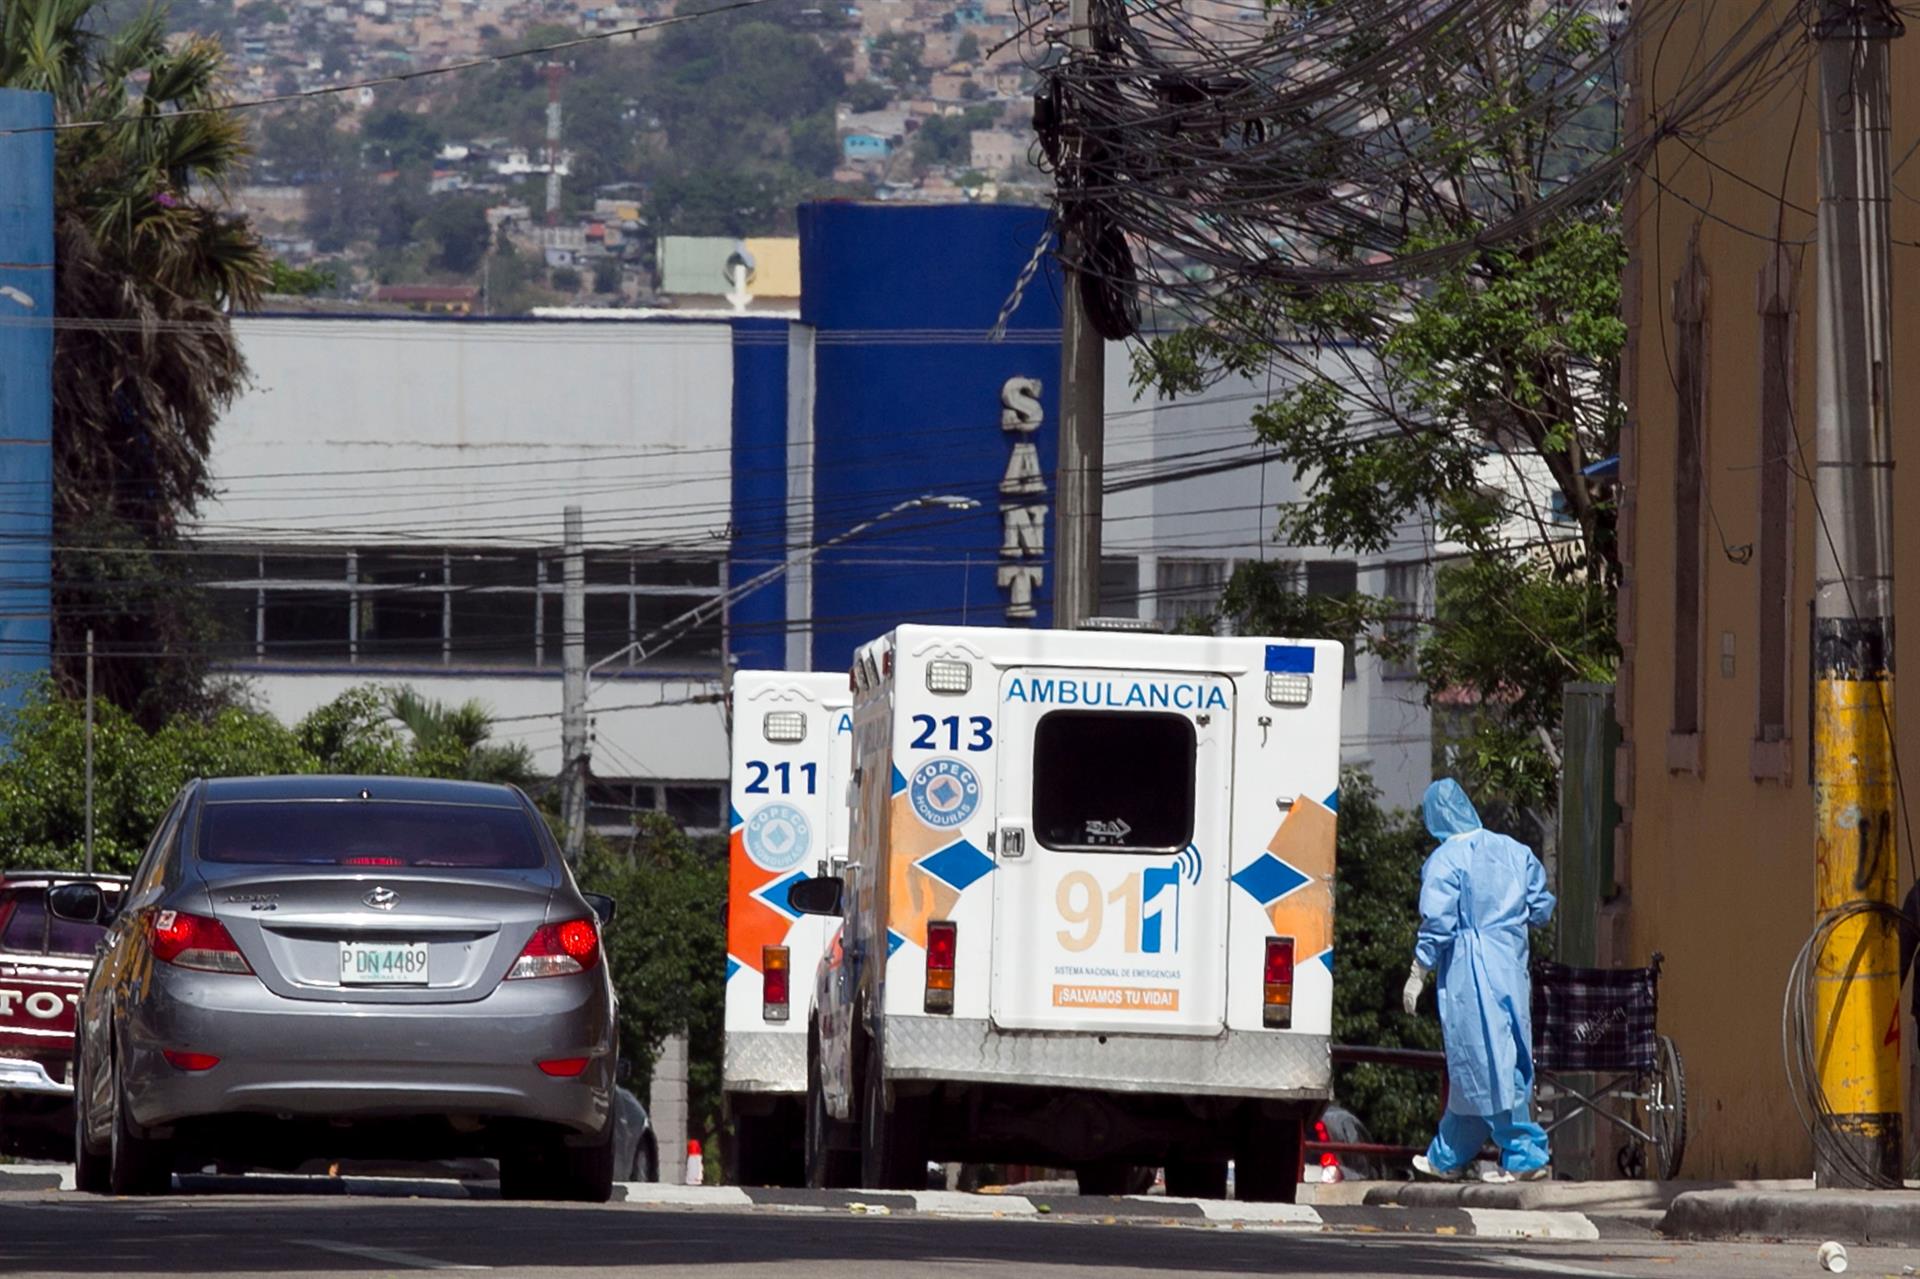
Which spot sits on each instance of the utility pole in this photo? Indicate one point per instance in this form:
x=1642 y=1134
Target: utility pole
x=573 y=709
x=1857 y=973
x=1083 y=371
x=89 y=795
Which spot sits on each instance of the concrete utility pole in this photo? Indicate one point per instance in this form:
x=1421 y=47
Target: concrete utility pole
x=1083 y=372
x=89 y=799
x=573 y=708
x=1857 y=973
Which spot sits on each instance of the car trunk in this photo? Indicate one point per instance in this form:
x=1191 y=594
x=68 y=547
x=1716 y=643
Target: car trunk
x=325 y=934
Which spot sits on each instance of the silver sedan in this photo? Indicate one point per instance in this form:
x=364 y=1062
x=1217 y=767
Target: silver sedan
x=351 y=968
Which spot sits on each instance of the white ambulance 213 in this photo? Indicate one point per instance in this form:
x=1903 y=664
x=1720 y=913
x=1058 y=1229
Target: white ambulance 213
x=1088 y=910
x=791 y=738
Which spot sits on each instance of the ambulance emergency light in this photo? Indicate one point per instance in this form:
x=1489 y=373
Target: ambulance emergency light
x=948 y=676
x=1289 y=674
x=785 y=726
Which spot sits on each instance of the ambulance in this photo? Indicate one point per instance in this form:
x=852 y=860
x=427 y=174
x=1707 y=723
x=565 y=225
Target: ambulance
x=792 y=734
x=1087 y=912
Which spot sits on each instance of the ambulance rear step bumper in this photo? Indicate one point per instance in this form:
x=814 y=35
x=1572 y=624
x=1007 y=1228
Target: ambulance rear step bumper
x=1276 y=1065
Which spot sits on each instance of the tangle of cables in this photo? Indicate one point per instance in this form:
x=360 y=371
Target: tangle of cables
x=1223 y=166
x=1800 y=1042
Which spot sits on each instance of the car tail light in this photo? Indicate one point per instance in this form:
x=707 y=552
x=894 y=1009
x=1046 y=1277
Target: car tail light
x=776 y=982
x=564 y=1067
x=194 y=941
x=555 y=950
x=1278 y=1004
x=1329 y=1162
x=374 y=861
x=942 y=945
x=181 y=1060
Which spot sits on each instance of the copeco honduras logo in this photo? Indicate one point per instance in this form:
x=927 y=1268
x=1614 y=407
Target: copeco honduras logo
x=944 y=792
x=778 y=836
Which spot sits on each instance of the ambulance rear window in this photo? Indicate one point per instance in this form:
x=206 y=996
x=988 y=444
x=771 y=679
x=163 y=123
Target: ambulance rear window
x=1106 y=781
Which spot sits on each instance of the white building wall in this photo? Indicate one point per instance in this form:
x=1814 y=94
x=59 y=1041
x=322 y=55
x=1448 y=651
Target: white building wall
x=393 y=433
x=1228 y=516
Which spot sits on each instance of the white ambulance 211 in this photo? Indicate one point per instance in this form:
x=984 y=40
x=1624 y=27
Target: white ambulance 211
x=791 y=738
x=1088 y=910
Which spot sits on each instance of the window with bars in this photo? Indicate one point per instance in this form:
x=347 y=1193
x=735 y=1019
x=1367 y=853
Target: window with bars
x=1779 y=447
x=1689 y=469
x=451 y=606
x=1403 y=589
x=615 y=805
x=1185 y=588
x=1337 y=578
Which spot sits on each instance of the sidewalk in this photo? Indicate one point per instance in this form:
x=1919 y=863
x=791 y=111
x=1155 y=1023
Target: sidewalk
x=1679 y=1209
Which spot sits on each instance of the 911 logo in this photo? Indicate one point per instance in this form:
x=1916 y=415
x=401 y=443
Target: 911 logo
x=1149 y=902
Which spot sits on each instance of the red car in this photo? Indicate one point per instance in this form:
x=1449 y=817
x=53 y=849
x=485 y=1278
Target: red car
x=44 y=963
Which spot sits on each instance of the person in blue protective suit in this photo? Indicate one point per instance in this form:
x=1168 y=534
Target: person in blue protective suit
x=1479 y=892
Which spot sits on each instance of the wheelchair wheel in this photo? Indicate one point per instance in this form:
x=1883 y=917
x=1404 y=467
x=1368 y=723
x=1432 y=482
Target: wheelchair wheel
x=1667 y=1112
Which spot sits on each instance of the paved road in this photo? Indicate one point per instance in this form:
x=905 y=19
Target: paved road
x=63 y=1233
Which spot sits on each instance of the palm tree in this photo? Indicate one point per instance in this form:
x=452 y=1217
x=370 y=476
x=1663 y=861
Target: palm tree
x=147 y=268
x=455 y=739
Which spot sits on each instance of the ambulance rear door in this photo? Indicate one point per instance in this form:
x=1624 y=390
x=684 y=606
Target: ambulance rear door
x=1112 y=832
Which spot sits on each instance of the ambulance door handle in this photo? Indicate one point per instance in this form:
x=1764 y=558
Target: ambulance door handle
x=1013 y=841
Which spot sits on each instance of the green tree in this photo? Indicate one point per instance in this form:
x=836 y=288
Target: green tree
x=395 y=138
x=1473 y=393
x=458 y=226
x=565 y=279
x=301 y=281
x=968 y=48
x=868 y=95
x=606 y=276
x=671 y=978
x=148 y=269
x=455 y=741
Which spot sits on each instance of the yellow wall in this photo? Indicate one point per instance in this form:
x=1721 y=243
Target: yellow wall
x=1718 y=865
x=776 y=267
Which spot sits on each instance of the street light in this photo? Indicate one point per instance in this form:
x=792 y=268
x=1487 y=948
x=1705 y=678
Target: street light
x=579 y=688
x=706 y=610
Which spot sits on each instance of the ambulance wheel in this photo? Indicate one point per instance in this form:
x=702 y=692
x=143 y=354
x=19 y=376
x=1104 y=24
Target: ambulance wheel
x=1197 y=1179
x=1267 y=1160
x=893 y=1143
x=1110 y=1178
x=828 y=1166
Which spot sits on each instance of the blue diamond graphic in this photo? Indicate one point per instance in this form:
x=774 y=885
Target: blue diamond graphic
x=957 y=864
x=894 y=941
x=1268 y=879
x=734 y=813
x=899 y=781
x=775 y=894
x=733 y=966
x=1332 y=801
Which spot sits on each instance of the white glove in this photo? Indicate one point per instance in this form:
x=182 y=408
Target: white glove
x=1410 y=993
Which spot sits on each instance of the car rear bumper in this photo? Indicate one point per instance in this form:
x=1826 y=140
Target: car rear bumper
x=1273 y=1065
x=309 y=1059
x=23 y=1076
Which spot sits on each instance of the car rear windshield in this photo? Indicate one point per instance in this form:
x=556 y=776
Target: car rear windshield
x=383 y=833
x=26 y=928
x=1113 y=781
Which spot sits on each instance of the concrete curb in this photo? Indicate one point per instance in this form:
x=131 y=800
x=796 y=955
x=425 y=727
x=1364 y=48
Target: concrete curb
x=1488 y=1221
x=1850 y=1216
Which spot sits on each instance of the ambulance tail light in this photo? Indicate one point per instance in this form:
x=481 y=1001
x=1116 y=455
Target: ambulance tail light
x=948 y=676
x=942 y=945
x=776 y=985
x=1277 y=1012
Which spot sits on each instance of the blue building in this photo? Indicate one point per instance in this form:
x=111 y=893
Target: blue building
x=26 y=389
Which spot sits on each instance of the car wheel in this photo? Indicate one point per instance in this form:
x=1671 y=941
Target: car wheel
x=1267 y=1160
x=139 y=1165
x=827 y=1168
x=1197 y=1178
x=552 y=1169
x=91 y=1172
x=893 y=1144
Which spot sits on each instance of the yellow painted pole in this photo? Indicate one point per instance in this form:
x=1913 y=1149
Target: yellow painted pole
x=1857 y=972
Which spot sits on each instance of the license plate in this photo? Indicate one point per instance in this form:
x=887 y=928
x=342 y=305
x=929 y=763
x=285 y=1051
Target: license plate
x=383 y=963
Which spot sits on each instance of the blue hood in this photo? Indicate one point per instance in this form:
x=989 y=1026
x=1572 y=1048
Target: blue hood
x=1449 y=811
